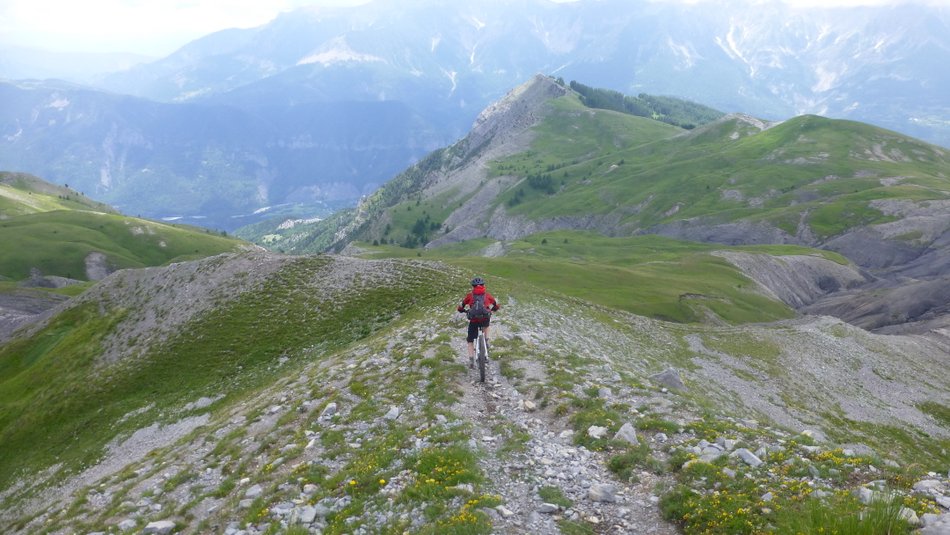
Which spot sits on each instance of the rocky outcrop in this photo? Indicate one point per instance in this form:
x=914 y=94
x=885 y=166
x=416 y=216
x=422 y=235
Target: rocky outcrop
x=913 y=306
x=23 y=306
x=796 y=280
x=735 y=233
x=867 y=247
x=518 y=110
x=97 y=266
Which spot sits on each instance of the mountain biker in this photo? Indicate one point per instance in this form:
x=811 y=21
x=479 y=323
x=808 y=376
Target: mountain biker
x=478 y=296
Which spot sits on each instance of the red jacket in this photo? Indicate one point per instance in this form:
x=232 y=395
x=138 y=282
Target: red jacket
x=490 y=302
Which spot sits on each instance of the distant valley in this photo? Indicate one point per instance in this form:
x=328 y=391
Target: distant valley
x=320 y=107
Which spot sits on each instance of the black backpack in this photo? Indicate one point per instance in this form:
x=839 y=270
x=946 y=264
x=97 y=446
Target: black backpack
x=478 y=310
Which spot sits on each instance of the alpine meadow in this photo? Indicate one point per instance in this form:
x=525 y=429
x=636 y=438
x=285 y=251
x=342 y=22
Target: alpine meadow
x=711 y=321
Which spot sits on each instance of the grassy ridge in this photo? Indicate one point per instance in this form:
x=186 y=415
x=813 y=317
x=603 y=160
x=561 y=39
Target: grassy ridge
x=808 y=170
x=57 y=405
x=53 y=395
x=21 y=194
x=827 y=169
x=58 y=242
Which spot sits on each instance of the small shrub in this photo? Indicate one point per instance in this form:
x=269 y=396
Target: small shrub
x=623 y=464
x=554 y=495
x=843 y=515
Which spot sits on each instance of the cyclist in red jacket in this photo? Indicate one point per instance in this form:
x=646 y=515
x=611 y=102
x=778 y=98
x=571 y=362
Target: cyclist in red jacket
x=480 y=305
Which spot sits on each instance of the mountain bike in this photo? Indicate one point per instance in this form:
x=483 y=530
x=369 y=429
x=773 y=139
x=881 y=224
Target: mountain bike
x=481 y=353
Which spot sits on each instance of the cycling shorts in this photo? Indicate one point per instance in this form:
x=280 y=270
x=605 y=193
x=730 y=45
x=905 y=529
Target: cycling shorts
x=473 y=329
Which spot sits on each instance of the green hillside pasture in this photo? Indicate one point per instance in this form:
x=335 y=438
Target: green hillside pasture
x=572 y=144
x=14 y=288
x=828 y=169
x=14 y=202
x=58 y=405
x=675 y=291
x=572 y=132
x=647 y=275
x=21 y=194
x=420 y=220
x=58 y=242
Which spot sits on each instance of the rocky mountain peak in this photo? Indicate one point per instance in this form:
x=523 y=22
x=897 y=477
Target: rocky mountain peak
x=517 y=110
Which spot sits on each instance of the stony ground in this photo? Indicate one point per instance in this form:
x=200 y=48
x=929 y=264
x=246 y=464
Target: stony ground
x=340 y=443
x=550 y=459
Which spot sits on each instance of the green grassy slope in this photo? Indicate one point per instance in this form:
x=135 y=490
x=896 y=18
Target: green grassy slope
x=61 y=405
x=58 y=242
x=570 y=136
x=641 y=173
x=21 y=194
x=828 y=170
x=650 y=276
x=54 y=228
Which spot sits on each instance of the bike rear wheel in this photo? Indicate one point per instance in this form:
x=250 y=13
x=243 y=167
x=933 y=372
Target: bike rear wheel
x=482 y=351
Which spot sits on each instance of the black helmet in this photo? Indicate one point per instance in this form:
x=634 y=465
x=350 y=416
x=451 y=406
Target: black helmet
x=478 y=281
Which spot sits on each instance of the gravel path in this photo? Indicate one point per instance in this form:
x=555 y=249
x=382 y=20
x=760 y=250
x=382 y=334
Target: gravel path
x=549 y=459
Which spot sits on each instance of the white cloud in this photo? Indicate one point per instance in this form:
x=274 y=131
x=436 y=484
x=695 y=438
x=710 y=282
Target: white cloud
x=157 y=28
x=142 y=26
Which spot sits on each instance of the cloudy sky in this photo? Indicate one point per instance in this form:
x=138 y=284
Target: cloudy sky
x=150 y=27
x=159 y=27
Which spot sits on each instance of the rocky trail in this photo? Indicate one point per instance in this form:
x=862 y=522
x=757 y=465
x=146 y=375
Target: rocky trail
x=551 y=463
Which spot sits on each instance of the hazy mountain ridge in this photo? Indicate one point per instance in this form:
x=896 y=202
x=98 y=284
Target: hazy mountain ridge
x=320 y=107
x=874 y=64
x=208 y=162
x=25 y=63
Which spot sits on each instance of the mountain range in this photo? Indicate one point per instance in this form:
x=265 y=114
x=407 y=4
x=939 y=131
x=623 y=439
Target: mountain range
x=539 y=160
x=635 y=379
x=321 y=106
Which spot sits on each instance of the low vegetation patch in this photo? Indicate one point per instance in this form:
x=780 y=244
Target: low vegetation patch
x=793 y=488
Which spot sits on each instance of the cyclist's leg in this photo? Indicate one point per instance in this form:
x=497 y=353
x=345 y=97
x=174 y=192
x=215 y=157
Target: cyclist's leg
x=470 y=338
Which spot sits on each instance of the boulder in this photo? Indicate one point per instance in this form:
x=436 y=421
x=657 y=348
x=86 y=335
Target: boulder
x=748 y=457
x=628 y=434
x=669 y=378
x=602 y=492
x=253 y=492
x=328 y=411
x=548 y=508
x=162 y=527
